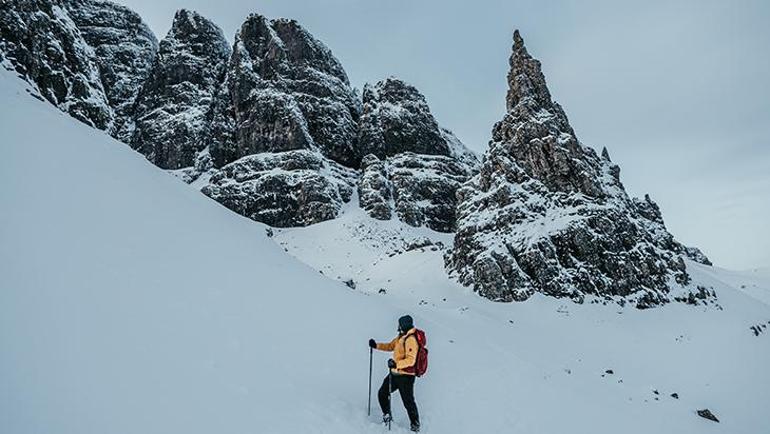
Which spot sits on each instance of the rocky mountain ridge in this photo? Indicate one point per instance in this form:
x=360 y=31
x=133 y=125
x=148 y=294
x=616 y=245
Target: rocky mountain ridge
x=271 y=128
x=547 y=214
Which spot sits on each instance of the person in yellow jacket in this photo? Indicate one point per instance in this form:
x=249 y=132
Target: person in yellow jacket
x=402 y=371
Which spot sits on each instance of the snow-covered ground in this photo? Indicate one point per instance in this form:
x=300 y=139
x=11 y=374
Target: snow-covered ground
x=130 y=303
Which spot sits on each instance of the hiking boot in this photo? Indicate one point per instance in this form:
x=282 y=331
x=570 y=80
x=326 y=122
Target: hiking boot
x=386 y=418
x=415 y=427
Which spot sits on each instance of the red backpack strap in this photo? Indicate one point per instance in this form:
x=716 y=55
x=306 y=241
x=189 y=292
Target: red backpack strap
x=418 y=350
x=421 y=342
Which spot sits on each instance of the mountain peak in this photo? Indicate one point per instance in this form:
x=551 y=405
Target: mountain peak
x=182 y=13
x=518 y=41
x=525 y=79
x=183 y=16
x=542 y=215
x=606 y=154
x=189 y=24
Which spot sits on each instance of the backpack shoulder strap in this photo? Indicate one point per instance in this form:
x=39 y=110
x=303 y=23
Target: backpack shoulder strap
x=414 y=335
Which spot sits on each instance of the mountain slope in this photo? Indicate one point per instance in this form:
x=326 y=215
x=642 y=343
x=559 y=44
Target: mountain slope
x=131 y=303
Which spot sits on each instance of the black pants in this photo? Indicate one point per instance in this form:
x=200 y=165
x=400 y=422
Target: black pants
x=405 y=386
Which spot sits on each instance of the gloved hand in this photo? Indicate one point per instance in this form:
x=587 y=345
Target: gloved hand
x=372 y=344
x=391 y=364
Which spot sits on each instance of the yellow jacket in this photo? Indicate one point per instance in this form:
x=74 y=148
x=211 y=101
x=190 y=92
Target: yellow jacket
x=404 y=352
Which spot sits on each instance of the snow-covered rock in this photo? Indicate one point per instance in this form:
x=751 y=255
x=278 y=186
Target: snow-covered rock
x=375 y=194
x=547 y=214
x=124 y=47
x=283 y=128
x=653 y=222
x=412 y=166
x=173 y=107
x=419 y=189
x=87 y=57
x=45 y=46
x=291 y=188
x=278 y=90
x=458 y=150
x=284 y=90
x=396 y=118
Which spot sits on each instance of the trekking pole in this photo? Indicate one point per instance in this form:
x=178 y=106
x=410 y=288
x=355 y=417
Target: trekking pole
x=390 y=392
x=369 y=406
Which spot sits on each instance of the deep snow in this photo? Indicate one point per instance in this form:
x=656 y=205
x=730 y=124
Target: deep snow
x=129 y=302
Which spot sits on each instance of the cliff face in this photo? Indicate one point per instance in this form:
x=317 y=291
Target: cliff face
x=547 y=214
x=413 y=167
x=284 y=90
x=283 y=189
x=124 y=49
x=173 y=109
x=282 y=128
x=46 y=47
x=87 y=57
x=417 y=189
x=396 y=119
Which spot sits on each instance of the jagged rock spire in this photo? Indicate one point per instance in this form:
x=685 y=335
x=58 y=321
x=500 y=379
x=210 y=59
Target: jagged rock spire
x=537 y=133
x=547 y=214
x=525 y=79
x=606 y=154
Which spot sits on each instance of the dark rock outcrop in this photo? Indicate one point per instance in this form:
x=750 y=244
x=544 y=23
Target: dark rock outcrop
x=413 y=167
x=419 y=189
x=46 y=47
x=653 y=223
x=374 y=188
x=292 y=188
x=87 y=57
x=124 y=47
x=284 y=90
x=283 y=128
x=173 y=108
x=547 y=214
x=396 y=118
x=707 y=414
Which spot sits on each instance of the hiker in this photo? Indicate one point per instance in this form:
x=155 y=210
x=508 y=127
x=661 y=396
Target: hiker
x=402 y=371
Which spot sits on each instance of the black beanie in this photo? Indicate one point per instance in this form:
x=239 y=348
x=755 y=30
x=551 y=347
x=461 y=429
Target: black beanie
x=405 y=323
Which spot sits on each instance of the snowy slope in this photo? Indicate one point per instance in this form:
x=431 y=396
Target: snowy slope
x=129 y=303
x=545 y=360
x=755 y=283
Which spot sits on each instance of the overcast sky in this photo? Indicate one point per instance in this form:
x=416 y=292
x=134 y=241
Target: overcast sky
x=677 y=91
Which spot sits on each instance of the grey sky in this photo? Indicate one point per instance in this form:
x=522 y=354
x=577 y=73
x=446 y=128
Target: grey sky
x=677 y=91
